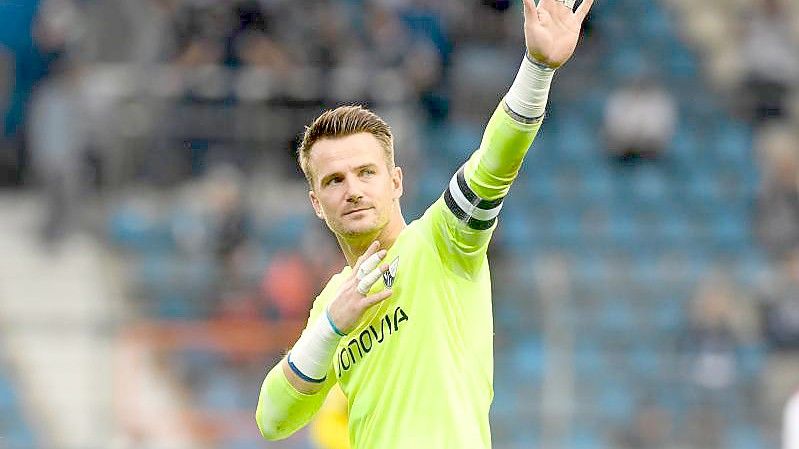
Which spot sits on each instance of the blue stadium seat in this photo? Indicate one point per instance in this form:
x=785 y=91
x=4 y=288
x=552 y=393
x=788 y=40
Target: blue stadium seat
x=583 y=438
x=668 y=313
x=746 y=436
x=137 y=230
x=529 y=358
x=615 y=401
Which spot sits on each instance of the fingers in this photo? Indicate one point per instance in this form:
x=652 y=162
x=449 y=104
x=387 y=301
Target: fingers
x=370 y=264
x=548 y=4
x=529 y=5
x=377 y=297
x=530 y=11
x=366 y=283
x=583 y=9
x=366 y=254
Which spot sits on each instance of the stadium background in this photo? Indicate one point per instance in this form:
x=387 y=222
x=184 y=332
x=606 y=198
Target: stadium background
x=157 y=251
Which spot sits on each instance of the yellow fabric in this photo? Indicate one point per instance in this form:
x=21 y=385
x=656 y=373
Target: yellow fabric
x=493 y=167
x=329 y=428
x=418 y=369
x=282 y=409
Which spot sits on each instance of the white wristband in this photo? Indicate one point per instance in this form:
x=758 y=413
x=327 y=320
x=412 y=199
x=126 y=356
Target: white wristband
x=311 y=356
x=528 y=95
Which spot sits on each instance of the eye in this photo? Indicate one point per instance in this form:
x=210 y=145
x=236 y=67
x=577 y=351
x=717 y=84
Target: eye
x=368 y=171
x=333 y=180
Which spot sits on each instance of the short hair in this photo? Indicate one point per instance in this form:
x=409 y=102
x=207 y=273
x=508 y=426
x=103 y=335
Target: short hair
x=344 y=121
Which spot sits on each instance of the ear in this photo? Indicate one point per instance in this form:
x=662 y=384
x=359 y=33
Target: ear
x=316 y=206
x=396 y=182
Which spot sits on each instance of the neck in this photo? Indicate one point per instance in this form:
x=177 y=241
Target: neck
x=354 y=246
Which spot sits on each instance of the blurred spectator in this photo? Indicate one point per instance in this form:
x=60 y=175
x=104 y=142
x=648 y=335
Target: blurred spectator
x=227 y=213
x=294 y=276
x=251 y=41
x=430 y=55
x=720 y=329
x=258 y=50
x=780 y=297
x=229 y=220
x=152 y=24
x=214 y=221
x=57 y=141
x=390 y=39
x=640 y=120
x=7 y=156
x=289 y=285
x=424 y=71
x=790 y=423
x=200 y=52
x=716 y=331
x=651 y=429
x=321 y=252
x=58 y=28
x=332 y=41
x=778 y=203
x=210 y=22
x=772 y=60
x=57 y=135
x=6 y=77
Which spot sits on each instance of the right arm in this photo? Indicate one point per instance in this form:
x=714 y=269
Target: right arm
x=282 y=407
x=296 y=387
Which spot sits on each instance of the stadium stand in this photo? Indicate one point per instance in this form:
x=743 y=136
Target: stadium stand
x=626 y=315
x=638 y=240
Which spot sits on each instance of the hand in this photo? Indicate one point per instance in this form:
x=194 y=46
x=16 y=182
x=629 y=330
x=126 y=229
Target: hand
x=551 y=30
x=351 y=302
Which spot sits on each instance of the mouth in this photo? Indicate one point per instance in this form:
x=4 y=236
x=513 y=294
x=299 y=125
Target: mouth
x=356 y=210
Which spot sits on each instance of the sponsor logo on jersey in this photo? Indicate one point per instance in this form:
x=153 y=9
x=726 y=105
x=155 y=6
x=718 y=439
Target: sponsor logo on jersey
x=361 y=345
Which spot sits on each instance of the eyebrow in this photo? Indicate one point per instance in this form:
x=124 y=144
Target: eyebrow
x=358 y=168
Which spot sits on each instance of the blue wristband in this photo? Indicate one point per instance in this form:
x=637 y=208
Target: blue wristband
x=333 y=325
x=301 y=375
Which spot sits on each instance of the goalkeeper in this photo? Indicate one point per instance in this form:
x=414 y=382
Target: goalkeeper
x=406 y=328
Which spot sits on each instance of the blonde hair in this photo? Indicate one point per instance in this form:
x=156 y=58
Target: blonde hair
x=344 y=121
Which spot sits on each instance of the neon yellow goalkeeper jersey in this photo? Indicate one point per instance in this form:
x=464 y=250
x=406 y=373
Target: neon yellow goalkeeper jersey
x=418 y=369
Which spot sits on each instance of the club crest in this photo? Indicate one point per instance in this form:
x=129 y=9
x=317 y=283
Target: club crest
x=390 y=275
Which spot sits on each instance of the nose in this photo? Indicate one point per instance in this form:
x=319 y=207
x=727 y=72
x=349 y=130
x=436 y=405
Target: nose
x=354 y=194
x=353 y=197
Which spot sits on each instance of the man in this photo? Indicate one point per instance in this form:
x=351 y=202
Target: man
x=406 y=327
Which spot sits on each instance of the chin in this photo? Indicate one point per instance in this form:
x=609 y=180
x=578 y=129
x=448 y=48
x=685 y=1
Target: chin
x=354 y=231
x=359 y=229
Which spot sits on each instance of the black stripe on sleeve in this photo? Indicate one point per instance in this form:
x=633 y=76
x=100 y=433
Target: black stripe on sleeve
x=472 y=197
x=473 y=223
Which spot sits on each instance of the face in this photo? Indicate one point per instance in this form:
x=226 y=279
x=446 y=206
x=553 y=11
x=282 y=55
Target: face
x=354 y=190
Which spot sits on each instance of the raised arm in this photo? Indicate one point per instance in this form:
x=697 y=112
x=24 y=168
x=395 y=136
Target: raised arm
x=551 y=31
x=475 y=193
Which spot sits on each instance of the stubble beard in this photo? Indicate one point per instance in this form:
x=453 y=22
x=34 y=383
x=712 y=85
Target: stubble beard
x=360 y=229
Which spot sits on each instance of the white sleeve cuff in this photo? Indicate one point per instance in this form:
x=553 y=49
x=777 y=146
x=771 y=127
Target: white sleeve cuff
x=527 y=98
x=313 y=353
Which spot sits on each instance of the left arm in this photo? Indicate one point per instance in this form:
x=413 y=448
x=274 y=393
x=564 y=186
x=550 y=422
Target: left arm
x=551 y=31
x=475 y=193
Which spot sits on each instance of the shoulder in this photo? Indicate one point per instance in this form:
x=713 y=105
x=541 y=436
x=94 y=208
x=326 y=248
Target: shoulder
x=422 y=230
